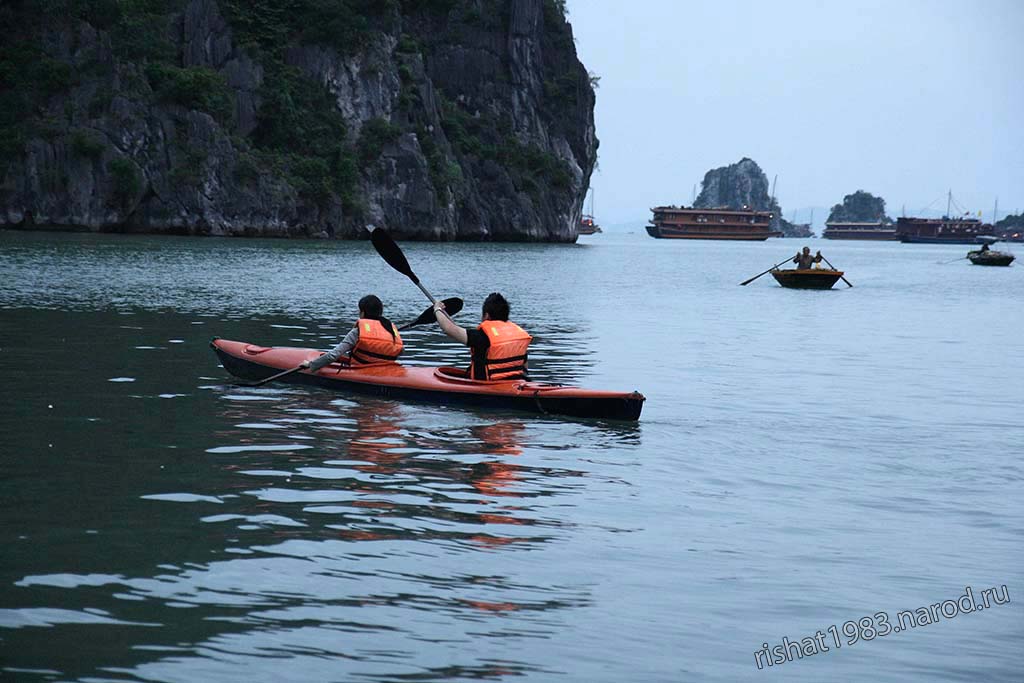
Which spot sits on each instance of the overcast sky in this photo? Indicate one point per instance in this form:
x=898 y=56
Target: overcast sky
x=902 y=98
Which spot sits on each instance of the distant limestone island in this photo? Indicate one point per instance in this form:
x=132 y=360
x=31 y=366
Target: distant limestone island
x=744 y=185
x=439 y=120
x=734 y=204
x=861 y=216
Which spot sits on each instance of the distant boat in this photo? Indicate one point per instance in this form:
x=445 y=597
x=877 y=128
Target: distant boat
x=588 y=226
x=990 y=257
x=809 y=278
x=675 y=222
x=945 y=230
x=1015 y=234
x=940 y=230
x=853 y=230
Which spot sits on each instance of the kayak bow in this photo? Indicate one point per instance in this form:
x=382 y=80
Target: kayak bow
x=446 y=386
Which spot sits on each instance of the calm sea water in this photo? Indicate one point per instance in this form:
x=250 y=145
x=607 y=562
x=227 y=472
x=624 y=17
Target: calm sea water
x=804 y=459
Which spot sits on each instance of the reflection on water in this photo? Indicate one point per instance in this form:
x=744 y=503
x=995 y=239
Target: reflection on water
x=319 y=524
x=389 y=480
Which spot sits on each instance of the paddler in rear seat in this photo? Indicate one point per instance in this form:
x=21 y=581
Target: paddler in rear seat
x=498 y=347
x=373 y=341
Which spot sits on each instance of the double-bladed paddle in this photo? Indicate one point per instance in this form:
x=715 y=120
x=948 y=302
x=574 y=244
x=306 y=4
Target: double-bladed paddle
x=390 y=252
x=451 y=307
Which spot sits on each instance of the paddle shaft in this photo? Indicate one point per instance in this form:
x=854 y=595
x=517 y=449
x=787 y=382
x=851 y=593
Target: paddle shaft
x=744 y=284
x=834 y=268
x=277 y=376
x=451 y=307
x=424 y=290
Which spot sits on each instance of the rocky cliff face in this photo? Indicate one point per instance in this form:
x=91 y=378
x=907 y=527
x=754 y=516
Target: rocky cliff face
x=438 y=119
x=859 y=207
x=744 y=185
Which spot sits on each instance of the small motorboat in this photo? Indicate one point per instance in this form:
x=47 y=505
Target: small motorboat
x=809 y=278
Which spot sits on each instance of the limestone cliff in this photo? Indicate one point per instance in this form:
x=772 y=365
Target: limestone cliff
x=438 y=119
x=744 y=185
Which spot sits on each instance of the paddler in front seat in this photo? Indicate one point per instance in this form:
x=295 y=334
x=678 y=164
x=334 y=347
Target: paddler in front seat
x=498 y=347
x=373 y=341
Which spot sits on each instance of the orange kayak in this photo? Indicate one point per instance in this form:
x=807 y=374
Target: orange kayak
x=445 y=386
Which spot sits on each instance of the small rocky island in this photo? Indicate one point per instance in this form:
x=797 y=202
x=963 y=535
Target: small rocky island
x=860 y=207
x=438 y=119
x=744 y=185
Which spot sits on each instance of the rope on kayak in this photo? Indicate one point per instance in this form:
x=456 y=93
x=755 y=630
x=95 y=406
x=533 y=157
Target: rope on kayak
x=536 y=398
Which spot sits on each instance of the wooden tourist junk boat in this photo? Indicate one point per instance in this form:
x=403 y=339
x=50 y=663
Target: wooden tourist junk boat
x=675 y=222
x=940 y=230
x=809 y=278
x=876 y=230
x=946 y=230
x=588 y=226
x=990 y=258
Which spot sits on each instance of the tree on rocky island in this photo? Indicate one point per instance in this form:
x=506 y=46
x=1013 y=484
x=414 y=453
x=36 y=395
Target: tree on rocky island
x=744 y=185
x=859 y=207
x=1010 y=222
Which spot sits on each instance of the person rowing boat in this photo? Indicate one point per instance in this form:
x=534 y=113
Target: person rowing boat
x=498 y=348
x=372 y=341
x=804 y=260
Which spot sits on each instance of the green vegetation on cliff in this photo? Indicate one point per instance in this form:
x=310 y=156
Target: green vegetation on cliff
x=297 y=116
x=859 y=207
x=1011 y=221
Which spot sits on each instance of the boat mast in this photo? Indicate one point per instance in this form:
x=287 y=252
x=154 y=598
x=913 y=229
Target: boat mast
x=995 y=212
x=949 y=201
x=694 y=201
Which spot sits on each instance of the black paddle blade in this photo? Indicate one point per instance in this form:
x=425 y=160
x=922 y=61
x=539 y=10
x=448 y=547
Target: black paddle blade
x=390 y=252
x=451 y=307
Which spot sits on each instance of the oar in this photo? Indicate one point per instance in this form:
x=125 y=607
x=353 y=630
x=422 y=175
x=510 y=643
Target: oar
x=834 y=268
x=390 y=252
x=451 y=307
x=744 y=284
x=277 y=376
x=942 y=263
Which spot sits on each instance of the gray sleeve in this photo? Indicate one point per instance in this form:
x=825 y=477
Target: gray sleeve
x=342 y=349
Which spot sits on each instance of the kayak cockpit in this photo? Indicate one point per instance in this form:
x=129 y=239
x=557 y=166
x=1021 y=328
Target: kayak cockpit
x=458 y=376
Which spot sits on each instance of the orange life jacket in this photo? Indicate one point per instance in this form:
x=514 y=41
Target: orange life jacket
x=506 y=356
x=375 y=345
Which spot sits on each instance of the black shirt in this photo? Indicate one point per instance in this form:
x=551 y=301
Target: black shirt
x=478 y=343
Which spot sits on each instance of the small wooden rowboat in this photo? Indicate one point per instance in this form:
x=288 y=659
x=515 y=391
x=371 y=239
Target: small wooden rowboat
x=810 y=278
x=990 y=258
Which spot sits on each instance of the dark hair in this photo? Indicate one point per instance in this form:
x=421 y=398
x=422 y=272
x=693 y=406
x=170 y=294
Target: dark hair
x=496 y=307
x=373 y=309
x=371 y=306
